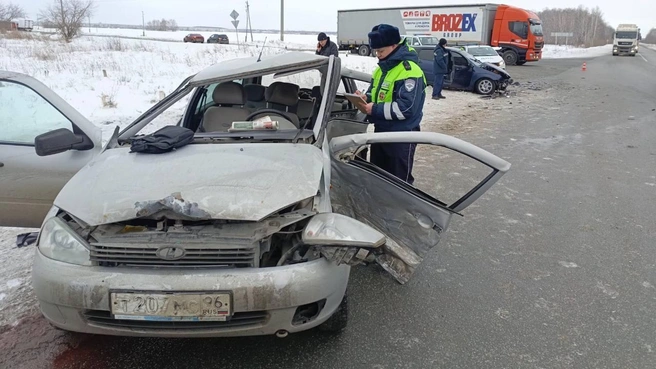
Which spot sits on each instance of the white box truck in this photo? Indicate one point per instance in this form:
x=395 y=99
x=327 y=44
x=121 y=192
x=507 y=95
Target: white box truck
x=517 y=32
x=626 y=40
x=24 y=24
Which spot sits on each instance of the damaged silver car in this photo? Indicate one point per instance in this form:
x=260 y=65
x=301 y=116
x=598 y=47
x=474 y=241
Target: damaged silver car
x=241 y=231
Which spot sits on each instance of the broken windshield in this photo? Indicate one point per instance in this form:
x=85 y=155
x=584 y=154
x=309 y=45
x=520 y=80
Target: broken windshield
x=288 y=91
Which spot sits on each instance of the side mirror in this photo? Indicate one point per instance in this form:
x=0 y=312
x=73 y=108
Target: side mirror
x=60 y=140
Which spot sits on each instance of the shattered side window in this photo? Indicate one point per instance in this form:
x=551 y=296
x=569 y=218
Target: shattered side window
x=439 y=172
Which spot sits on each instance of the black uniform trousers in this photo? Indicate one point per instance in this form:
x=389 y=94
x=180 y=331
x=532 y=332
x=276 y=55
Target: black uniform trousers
x=395 y=158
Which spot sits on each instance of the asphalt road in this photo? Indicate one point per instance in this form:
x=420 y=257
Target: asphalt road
x=554 y=268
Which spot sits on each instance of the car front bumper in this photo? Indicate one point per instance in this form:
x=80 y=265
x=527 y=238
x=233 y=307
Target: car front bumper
x=503 y=84
x=624 y=50
x=265 y=300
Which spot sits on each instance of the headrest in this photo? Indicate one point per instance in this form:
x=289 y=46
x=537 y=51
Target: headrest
x=316 y=92
x=282 y=93
x=254 y=92
x=229 y=93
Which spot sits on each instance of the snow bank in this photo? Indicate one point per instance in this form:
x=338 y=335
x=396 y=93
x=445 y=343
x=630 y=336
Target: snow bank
x=563 y=52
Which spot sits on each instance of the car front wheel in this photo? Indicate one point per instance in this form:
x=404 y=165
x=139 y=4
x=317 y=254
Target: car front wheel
x=484 y=86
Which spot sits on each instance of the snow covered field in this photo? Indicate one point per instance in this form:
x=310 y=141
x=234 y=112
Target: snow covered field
x=272 y=39
x=295 y=41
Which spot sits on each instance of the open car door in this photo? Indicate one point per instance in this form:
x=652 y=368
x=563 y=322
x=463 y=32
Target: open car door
x=412 y=220
x=44 y=141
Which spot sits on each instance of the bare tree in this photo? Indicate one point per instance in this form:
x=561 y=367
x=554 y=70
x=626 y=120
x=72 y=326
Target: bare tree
x=588 y=26
x=162 y=25
x=67 y=16
x=11 y=11
x=173 y=25
x=651 y=37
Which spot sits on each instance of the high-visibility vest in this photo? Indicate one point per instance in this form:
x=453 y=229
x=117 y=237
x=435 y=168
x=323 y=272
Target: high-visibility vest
x=383 y=83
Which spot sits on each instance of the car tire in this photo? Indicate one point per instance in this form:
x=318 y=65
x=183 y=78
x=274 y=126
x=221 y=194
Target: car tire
x=510 y=57
x=339 y=320
x=364 y=50
x=484 y=86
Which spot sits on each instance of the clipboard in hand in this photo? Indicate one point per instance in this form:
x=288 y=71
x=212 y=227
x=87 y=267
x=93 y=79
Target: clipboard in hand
x=358 y=101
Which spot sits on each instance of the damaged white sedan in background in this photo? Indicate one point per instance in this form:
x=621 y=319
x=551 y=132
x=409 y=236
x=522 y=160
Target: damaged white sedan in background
x=236 y=232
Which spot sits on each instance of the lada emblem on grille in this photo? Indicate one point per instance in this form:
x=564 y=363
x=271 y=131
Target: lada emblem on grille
x=170 y=253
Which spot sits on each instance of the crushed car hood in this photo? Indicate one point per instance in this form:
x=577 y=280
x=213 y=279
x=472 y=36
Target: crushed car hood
x=492 y=68
x=200 y=181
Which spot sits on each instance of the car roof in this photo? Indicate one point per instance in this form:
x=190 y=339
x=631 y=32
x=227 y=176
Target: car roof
x=245 y=67
x=355 y=74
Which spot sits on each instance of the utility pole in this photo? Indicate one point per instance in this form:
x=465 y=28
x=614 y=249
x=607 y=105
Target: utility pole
x=282 y=20
x=89 y=23
x=249 y=26
x=143 y=23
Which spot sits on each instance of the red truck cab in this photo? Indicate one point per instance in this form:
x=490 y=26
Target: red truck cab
x=519 y=33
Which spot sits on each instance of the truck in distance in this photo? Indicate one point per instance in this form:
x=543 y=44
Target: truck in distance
x=24 y=24
x=516 y=32
x=626 y=40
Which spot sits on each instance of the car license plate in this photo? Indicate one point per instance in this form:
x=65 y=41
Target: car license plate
x=171 y=306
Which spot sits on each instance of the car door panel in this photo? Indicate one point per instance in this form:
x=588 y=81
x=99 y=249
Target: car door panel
x=29 y=183
x=412 y=220
x=462 y=76
x=462 y=71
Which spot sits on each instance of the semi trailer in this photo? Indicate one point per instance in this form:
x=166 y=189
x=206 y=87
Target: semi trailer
x=516 y=32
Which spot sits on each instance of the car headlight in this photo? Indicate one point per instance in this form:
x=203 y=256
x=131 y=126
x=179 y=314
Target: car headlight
x=331 y=229
x=58 y=242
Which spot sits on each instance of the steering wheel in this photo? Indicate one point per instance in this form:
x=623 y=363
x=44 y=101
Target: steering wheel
x=274 y=112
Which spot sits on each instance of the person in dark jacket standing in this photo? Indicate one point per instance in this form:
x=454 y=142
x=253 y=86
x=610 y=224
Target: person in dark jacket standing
x=395 y=99
x=326 y=47
x=440 y=68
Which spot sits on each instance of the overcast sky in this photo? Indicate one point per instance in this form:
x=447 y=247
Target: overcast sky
x=317 y=15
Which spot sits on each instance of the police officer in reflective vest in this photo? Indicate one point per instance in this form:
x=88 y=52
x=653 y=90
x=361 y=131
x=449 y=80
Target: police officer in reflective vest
x=395 y=99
